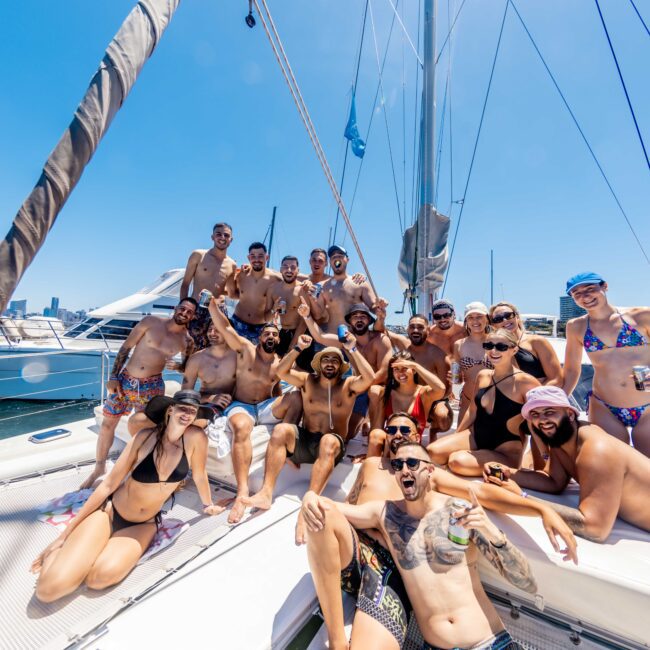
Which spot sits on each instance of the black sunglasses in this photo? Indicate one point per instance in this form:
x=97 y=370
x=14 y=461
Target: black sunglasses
x=501 y=347
x=508 y=315
x=442 y=316
x=411 y=463
x=392 y=429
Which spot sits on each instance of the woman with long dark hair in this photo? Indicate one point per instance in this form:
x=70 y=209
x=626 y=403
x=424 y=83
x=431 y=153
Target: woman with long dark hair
x=490 y=430
x=410 y=388
x=104 y=542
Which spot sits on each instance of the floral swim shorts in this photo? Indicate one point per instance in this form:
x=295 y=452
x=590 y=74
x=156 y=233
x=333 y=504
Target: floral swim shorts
x=136 y=393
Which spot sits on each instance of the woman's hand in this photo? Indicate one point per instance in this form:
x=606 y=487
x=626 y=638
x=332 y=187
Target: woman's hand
x=37 y=564
x=213 y=510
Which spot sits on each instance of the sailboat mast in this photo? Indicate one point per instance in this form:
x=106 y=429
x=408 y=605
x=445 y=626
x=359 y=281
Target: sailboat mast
x=427 y=152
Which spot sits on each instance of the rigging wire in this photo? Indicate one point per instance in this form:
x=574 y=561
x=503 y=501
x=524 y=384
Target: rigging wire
x=620 y=76
x=394 y=8
x=451 y=131
x=403 y=124
x=640 y=17
x=354 y=90
x=383 y=110
x=294 y=89
x=582 y=134
x=449 y=29
x=441 y=134
x=478 y=135
x=416 y=155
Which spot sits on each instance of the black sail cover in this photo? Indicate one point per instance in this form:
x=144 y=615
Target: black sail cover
x=117 y=73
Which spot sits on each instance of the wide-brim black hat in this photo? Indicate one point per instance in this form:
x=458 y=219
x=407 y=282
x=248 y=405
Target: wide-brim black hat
x=157 y=407
x=360 y=308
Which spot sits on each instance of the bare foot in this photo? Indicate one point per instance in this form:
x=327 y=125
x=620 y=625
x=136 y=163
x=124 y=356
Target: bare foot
x=301 y=529
x=237 y=511
x=225 y=502
x=96 y=473
x=262 y=500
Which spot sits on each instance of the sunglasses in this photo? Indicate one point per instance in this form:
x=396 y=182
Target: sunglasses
x=501 y=347
x=508 y=315
x=442 y=316
x=392 y=429
x=412 y=463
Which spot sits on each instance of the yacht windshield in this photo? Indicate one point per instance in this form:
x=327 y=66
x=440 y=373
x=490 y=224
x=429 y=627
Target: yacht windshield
x=82 y=327
x=114 y=330
x=154 y=287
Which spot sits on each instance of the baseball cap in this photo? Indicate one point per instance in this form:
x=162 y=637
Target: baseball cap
x=587 y=277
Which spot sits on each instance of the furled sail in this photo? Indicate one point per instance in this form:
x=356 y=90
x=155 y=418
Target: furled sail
x=125 y=56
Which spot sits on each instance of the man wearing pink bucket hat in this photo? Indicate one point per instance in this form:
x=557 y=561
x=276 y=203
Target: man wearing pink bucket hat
x=614 y=478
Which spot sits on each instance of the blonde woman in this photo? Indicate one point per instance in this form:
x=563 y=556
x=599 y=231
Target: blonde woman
x=490 y=428
x=535 y=355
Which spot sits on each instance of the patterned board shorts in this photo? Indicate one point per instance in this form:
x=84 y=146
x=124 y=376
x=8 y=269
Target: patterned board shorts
x=374 y=579
x=136 y=394
x=500 y=641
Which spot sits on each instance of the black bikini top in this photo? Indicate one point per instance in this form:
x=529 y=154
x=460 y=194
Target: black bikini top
x=147 y=472
x=529 y=363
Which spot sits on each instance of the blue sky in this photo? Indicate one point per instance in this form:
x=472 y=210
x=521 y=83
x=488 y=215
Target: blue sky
x=210 y=132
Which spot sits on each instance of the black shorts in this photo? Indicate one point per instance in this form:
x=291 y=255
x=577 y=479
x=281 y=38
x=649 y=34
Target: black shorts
x=307 y=446
x=374 y=580
x=286 y=336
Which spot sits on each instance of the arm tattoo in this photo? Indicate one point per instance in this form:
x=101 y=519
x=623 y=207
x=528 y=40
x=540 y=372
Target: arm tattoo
x=189 y=348
x=418 y=541
x=120 y=360
x=508 y=560
x=574 y=519
x=353 y=495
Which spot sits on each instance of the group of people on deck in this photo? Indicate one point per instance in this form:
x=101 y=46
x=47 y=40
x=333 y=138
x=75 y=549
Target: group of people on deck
x=310 y=357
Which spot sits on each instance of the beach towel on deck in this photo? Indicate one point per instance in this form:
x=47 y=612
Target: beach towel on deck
x=61 y=511
x=216 y=431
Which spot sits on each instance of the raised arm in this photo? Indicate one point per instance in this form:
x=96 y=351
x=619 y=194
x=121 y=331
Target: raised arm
x=190 y=270
x=285 y=368
x=233 y=340
x=430 y=379
x=572 y=356
x=361 y=382
x=317 y=333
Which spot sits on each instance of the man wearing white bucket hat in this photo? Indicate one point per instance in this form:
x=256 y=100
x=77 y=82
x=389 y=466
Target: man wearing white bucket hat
x=614 y=478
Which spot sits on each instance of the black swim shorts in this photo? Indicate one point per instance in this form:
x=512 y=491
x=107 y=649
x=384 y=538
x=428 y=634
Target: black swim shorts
x=307 y=446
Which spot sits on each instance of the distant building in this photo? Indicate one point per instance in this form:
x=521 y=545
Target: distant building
x=17 y=309
x=54 y=305
x=569 y=309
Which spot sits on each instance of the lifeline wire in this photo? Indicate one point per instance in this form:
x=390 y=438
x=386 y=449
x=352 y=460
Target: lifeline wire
x=640 y=17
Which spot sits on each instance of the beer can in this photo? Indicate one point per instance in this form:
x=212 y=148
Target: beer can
x=316 y=289
x=457 y=534
x=456 y=377
x=204 y=299
x=282 y=307
x=341 y=332
x=641 y=373
x=496 y=471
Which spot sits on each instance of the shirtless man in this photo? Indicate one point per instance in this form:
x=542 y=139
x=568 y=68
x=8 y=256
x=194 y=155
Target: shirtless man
x=255 y=400
x=327 y=400
x=336 y=549
x=614 y=479
x=216 y=368
x=441 y=577
x=615 y=342
x=253 y=284
x=212 y=270
x=446 y=330
x=429 y=356
x=154 y=342
x=283 y=300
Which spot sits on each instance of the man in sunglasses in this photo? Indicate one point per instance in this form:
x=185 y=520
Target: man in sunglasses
x=361 y=557
x=429 y=356
x=446 y=330
x=449 y=603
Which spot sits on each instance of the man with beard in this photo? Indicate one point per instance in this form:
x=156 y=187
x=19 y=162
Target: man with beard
x=132 y=384
x=614 y=478
x=283 y=300
x=216 y=368
x=446 y=330
x=212 y=270
x=429 y=356
x=328 y=399
x=253 y=283
x=358 y=561
x=256 y=400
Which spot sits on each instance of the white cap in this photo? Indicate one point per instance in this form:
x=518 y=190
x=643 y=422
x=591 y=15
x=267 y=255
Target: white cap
x=475 y=308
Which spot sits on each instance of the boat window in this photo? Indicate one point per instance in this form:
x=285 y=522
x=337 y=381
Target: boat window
x=81 y=327
x=114 y=330
x=542 y=326
x=157 y=282
x=581 y=392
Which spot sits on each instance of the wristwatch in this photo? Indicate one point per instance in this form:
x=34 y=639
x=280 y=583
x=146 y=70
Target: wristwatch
x=297 y=348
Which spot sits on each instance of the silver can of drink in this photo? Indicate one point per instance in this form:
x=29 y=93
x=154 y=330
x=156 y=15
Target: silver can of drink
x=316 y=289
x=641 y=374
x=456 y=377
x=457 y=534
x=282 y=307
x=204 y=299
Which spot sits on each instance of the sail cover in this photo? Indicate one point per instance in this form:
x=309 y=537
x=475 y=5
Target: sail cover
x=424 y=270
x=123 y=61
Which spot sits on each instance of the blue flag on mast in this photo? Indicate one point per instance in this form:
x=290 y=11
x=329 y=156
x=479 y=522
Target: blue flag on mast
x=352 y=132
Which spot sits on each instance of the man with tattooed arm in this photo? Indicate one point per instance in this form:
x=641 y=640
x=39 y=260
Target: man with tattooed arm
x=441 y=577
x=361 y=556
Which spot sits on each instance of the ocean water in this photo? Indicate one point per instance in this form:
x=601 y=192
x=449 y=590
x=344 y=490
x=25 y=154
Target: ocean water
x=19 y=416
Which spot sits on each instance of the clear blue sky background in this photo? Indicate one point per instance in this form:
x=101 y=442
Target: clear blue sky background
x=210 y=132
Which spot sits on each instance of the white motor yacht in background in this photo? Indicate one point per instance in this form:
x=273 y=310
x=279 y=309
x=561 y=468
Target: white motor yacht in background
x=39 y=360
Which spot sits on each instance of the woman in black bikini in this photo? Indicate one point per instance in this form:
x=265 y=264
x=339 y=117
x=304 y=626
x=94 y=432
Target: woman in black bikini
x=490 y=428
x=535 y=355
x=115 y=526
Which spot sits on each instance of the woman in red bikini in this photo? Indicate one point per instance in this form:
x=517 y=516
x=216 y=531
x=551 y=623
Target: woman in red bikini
x=403 y=392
